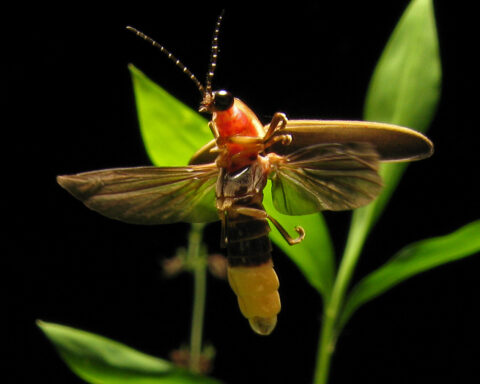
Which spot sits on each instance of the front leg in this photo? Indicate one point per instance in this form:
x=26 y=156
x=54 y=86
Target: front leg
x=247 y=141
x=279 y=122
x=259 y=144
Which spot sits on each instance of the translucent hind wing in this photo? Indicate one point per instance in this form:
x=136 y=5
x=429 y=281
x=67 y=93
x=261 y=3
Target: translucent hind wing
x=148 y=195
x=326 y=177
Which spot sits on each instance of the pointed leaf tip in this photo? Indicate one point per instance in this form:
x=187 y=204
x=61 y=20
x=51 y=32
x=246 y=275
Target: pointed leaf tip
x=171 y=131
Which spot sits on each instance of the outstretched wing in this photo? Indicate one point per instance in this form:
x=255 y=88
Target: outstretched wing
x=392 y=142
x=326 y=177
x=148 y=195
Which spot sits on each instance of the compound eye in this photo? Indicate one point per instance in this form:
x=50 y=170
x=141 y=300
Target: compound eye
x=222 y=100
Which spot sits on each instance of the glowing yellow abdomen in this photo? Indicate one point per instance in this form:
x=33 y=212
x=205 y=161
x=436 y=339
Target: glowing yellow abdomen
x=256 y=288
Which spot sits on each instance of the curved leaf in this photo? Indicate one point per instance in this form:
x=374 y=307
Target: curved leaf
x=171 y=131
x=404 y=90
x=412 y=260
x=97 y=359
x=405 y=85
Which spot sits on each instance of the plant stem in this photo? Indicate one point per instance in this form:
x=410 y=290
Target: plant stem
x=197 y=258
x=328 y=335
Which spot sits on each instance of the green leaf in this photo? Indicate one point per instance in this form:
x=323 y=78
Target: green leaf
x=171 y=131
x=412 y=260
x=97 y=359
x=405 y=86
x=404 y=90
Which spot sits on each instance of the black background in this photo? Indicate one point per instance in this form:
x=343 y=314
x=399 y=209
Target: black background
x=70 y=108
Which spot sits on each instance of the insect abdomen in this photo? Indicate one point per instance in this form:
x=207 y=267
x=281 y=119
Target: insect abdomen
x=251 y=274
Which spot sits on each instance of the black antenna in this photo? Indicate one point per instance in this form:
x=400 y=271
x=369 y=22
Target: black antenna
x=214 y=55
x=177 y=62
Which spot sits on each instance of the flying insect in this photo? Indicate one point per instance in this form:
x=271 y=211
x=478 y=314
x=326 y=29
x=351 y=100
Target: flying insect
x=314 y=165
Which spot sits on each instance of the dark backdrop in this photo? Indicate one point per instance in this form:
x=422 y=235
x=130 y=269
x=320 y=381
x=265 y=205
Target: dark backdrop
x=70 y=108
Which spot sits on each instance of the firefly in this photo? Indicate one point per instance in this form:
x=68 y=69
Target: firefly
x=314 y=165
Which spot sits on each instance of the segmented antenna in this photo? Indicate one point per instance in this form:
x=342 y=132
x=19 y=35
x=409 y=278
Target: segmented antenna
x=214 y=55
x=177 y=62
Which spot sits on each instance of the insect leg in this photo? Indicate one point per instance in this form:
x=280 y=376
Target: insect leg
x=253 y=144
x=261 y=214
x=285 y=139
x=279 y=121
x=245 y=140
x=214 y=129
x=290 y=240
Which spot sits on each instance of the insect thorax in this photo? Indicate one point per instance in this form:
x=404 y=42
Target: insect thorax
x=244 y=186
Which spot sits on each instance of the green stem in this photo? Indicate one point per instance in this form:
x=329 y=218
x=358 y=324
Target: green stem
x=197 y=258
x=332 y=308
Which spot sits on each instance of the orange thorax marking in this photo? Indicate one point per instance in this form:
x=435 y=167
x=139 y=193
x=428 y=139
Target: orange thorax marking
x=234 y=121
x=239 y=120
